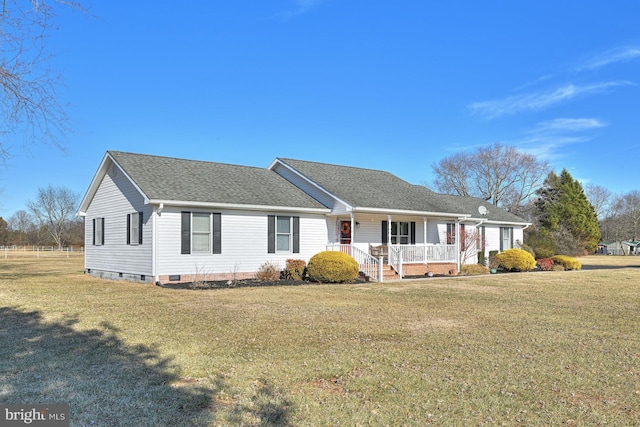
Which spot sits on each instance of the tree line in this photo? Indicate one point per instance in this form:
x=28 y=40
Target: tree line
x=49 y=221
x=566 y=218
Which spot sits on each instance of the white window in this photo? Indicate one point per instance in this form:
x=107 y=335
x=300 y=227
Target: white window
x=201 y=232
x=98 y=231
x=283 y=234
x=134 y=228
x=400 y=233
x=506 y=238
x=451 y=234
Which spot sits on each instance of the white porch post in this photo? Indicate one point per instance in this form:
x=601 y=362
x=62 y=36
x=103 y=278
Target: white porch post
x=353 y=231
x=457 y=242
x=424 y=241
x=389 y=230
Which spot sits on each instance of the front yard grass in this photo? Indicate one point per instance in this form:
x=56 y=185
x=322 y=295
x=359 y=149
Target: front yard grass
x=544 y=348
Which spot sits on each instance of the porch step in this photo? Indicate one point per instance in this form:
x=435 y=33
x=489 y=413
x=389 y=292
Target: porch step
x=388 y=273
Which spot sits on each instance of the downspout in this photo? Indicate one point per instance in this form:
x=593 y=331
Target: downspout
x=483 y=245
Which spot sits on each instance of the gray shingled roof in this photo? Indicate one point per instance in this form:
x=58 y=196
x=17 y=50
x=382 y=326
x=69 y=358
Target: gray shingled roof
x=368 y=188
x=171 y=179
x=363 y=188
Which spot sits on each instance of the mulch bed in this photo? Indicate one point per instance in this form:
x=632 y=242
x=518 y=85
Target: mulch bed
x=247 y=283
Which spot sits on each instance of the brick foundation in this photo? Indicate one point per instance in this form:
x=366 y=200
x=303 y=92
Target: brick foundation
x=443 y=268
x=211 y=277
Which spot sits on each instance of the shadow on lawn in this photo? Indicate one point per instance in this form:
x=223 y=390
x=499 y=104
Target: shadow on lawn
x=104 y=381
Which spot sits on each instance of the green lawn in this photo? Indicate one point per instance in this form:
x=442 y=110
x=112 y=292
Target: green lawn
x=553 y=348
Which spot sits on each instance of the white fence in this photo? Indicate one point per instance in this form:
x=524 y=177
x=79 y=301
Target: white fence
x=15 y=251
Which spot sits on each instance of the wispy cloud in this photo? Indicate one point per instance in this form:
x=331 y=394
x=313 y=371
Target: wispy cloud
x=619 y=54
x=569 y=125
x=549 y=139
x=299 y=7
x=536 y=101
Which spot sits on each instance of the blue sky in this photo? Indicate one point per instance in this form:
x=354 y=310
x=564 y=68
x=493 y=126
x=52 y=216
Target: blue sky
x=385 y=85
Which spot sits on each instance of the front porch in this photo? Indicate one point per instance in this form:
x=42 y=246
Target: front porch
x=399 y=260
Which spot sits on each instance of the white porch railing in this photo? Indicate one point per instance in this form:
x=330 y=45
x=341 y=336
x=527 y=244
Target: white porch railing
x=370 y=266
x=399 y=255
x=426 y=253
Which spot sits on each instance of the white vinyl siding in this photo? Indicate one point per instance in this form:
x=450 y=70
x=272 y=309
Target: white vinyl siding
x=244 y=242
x=116 y=197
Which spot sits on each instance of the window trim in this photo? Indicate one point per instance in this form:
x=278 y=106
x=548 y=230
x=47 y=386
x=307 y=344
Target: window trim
x=134 y=234
x=398 y=236
x=186 y=233
x=509 y=240
x=98 y=231
x=272 y=234
x=288 y=234
x=451 y=233
x=411 y=235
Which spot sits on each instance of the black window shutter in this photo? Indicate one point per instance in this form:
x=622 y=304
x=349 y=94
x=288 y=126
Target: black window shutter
x=102 y=220
x=140 y=229
x=128 y=229
x=271 y=234
x=217 y=233
x=385 y=232
x=296 y=234
x=413 y=232
x=186 y=233
x=94 y=231
x=501 y=239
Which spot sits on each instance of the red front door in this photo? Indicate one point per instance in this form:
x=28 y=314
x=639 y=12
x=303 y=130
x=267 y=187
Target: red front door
x=345 y=232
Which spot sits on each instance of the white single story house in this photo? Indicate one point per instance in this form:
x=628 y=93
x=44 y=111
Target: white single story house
x=161 y=220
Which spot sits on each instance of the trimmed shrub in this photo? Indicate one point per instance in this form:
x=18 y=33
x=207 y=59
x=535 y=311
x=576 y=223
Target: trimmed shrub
x=473 y=269
x=268 y=272
x=332 y=267
x=545 y=264
x=295 y=269
x=569 y=263
x=516 y=260
x=482 y=258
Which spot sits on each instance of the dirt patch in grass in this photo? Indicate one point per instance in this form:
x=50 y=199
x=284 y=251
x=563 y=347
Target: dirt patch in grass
x=435 y=324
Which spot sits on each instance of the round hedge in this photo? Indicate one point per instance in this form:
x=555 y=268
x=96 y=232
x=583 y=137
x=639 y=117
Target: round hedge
x=569 y=263
x=332 y=267
x=516 y=260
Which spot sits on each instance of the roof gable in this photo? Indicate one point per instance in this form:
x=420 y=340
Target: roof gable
x=181 y=181
x=375 y=189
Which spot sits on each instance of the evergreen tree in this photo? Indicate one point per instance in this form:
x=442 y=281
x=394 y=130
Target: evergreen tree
x=566 y=216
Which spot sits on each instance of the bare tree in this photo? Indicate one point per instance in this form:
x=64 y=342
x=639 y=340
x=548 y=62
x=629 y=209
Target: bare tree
x=599 y=197
x=28 y=101
x=627 y=209
x=21 y=225
x=54 y=209
x=500 y=174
